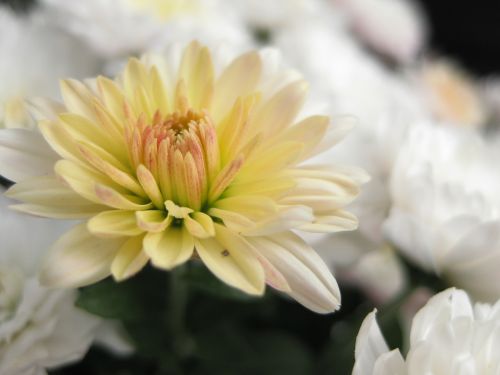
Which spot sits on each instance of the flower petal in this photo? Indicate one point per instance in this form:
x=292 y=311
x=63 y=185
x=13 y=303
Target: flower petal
x=47 y=196
x=116 y=223
x=78 y=258
x=129 y=260
x=370 y=345
x=200 y=225
x=169 y=248
x=229 y=258
x=239 y=79
x=153 y=220
x=24 y=153
x=309 y=278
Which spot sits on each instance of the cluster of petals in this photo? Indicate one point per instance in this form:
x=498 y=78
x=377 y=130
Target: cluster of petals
x=181 y=158
x=449 y=335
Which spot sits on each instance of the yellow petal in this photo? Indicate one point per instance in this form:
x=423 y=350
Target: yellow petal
x=224 y=178
x=200 y=225
x=153 y=220
x=115 y=199
x=78 y=259
x=240 y=78
x=169 y=248
x=113 y=98
x=196 y=69
x=82 y=179
x=280 y=111
x=77 y=98
x=150 y=186
x=129 y=260
x=116 y=223
x=230 y=259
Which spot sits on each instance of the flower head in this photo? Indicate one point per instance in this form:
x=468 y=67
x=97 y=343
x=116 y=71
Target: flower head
x=173 y=161
x=449 y=335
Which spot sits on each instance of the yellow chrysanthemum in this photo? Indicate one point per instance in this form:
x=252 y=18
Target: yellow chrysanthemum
x=172 y=161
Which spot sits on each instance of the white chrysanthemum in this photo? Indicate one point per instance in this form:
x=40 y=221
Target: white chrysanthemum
x=117 y=28
x=449 y=336
x=35 y=56
x=446 y=207
x=39 y=328
x=395 y=28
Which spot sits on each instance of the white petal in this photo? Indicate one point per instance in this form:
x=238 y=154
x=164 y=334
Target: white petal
x=370 y=345
x=24 y=153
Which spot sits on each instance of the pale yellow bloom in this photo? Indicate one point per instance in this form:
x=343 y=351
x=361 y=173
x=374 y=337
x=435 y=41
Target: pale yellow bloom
x=173 y=161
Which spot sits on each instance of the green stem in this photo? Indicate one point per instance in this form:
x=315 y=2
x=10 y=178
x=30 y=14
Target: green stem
x=176 y=313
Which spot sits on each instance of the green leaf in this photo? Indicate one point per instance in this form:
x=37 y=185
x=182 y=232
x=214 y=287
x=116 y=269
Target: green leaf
x=141 y=297
x=198 y=277
x=228 y=351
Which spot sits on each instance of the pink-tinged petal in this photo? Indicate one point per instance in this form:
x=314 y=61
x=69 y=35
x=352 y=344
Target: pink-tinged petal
x=78 y=258
x=150 y=186
x=370 y=345
x=169 y=248
x=129 y=260
x=224 y=178
x=153 y=220
x=230 y=259
x=24 y=154
x=113 y=198
x=310 y=281
x=112 y=224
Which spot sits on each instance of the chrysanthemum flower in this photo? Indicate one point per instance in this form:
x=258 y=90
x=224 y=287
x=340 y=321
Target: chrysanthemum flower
x=173 y=161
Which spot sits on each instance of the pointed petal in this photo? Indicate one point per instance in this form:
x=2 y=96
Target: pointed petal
x=129 y=260
x=78 y=258
x=230 y=259
x=370 y=345
x=280 y=111
x=239 y=79
x=77 y=98
x=200 y=225
x=116 y=223
x=169 y=248
x=49 y=197
x=24 y=153
x=153 y=220
x=309 y=278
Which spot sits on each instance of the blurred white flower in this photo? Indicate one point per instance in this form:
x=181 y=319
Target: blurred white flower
x=273 y=15
x=117 y=28
x=35 y=56
x=451 y=94
x=449 y=336
x=395 y=28
x=445 y=213
x=39 y=328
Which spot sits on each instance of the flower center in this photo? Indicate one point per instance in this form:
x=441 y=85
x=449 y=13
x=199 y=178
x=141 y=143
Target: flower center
x=180 y=151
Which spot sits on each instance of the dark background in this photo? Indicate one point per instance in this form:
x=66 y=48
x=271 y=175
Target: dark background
x=468 y=31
